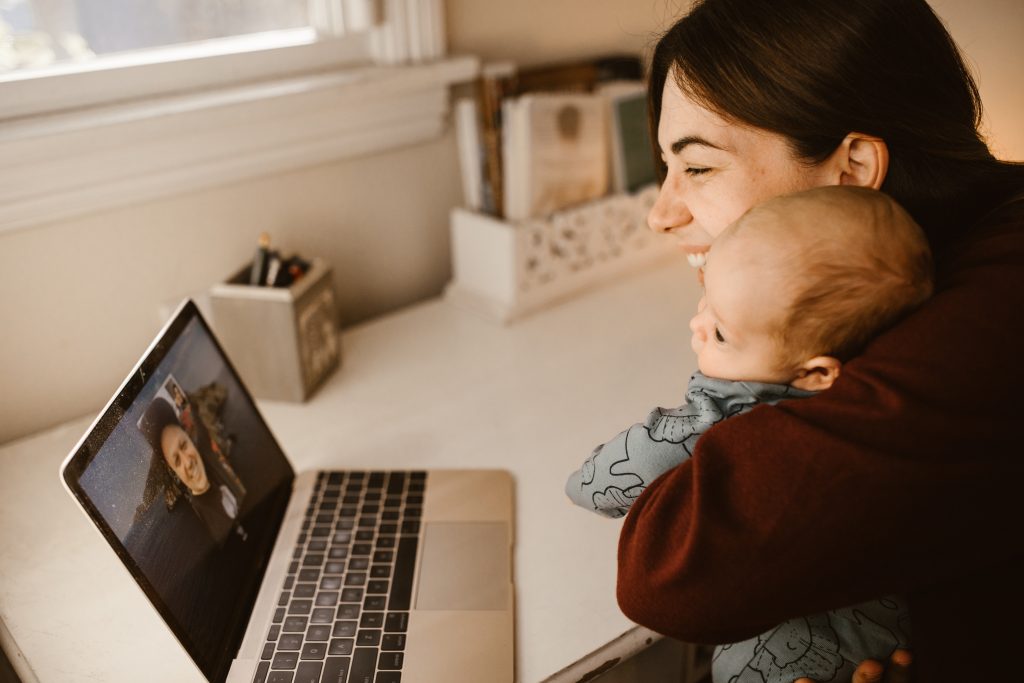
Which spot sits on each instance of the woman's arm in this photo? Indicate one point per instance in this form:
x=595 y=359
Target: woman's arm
x=905 y=474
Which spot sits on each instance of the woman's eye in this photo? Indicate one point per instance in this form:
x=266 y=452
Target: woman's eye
x=696 y=170
x=718 y=336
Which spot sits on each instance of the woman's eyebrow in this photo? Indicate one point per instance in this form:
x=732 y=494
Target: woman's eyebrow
x=682 y=143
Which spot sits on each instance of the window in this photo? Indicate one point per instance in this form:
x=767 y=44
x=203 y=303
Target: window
x=41 y=33
x=64 y=54
x=93 y=118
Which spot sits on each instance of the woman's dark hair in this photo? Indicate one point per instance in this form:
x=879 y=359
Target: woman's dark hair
x=814 y=71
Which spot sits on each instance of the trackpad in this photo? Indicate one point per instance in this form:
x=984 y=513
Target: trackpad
x=464 y=566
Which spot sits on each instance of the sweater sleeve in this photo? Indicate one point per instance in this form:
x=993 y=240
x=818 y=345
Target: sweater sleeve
x=903 y=475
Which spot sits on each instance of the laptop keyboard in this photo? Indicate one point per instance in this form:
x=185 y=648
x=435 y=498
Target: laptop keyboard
x=343 y=612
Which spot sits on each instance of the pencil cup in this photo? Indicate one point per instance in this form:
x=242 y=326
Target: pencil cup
x=283 y=341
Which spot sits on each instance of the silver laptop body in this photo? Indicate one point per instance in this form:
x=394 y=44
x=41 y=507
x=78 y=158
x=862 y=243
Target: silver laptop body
x=268 y=575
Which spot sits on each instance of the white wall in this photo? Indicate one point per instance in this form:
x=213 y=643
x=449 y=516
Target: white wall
x=80 y=297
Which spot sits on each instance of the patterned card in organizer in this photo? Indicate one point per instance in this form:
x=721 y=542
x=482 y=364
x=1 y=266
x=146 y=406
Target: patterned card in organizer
x=505 y=271
x=569 y=243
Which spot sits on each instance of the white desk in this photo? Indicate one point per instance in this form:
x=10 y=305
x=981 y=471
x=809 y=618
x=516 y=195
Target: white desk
x=429 y=387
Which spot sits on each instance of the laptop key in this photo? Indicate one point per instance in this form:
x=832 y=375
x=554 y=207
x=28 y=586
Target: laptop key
x=308 y=672
x=300 y=607
x=321 y=632
x=314 y=651
x=388 y=677
x=364 y=664
x=396 y=622
x=391 y=661
x=294 y=625
x=405 y=568
x=261 y=673
x=352 y=595
x=312 y=560
x=330 y=583
x=275 y=631
x=369 y=637
x=268 y=651
x=290 y=641
x=280 y=677
x=336 y=670
x=304 y=590
x=285 y=660
x=344 y=629
x=375 y=602
x=327 y=599
x=393 y=641
x=372 y=620
x=341 y=646
x=311 y=574
x=377 y=587
x=322 y=615
x=348 y=611
x=396 y=482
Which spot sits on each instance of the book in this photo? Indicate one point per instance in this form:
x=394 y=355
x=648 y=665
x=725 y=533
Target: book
x=472 y=160
x=492 y=87
x=556 y=152
x=577 y=76
x=631 y=153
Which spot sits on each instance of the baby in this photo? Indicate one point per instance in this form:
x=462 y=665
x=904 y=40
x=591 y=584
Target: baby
x=792 y=290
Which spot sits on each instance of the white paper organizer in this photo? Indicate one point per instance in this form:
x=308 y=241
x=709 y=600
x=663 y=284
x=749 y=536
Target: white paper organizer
x=505 y=271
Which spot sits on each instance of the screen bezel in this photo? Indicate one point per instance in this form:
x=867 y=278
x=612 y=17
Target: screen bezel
x=89 y=446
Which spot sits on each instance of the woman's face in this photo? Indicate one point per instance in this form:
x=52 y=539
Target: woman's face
x=716 y=171
x=182 y=457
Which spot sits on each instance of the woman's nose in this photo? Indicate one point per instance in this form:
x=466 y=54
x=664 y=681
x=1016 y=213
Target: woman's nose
x=669 y=210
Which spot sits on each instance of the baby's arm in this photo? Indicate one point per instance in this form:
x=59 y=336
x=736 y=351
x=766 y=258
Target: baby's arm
x=618 y=471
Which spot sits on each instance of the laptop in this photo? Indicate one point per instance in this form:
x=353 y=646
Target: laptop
x=268 y=575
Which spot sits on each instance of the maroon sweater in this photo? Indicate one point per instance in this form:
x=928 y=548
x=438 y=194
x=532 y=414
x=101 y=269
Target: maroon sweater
x=906 y=477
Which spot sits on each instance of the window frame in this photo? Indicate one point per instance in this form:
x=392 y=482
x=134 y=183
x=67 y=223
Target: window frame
x=188 y=67
x=227 y=115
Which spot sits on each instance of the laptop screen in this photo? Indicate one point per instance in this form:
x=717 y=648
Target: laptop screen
x=185 y=480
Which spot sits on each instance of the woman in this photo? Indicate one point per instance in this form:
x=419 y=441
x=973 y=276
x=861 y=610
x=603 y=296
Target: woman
x=903 y=477
x=178 y=469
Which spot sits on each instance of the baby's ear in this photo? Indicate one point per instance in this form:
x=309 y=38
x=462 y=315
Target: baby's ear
x=817 y=374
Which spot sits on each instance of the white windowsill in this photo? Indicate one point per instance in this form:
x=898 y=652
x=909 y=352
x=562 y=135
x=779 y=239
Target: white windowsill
x=62 y=165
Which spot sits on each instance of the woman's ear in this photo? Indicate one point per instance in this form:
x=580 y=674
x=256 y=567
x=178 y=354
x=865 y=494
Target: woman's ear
x=861 y=160
x=817 y=374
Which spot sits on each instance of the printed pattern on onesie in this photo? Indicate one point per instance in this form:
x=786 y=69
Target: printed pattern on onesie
x=824 y=647
x=617 y=472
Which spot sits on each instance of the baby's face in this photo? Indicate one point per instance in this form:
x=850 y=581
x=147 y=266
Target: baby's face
x=743 y=304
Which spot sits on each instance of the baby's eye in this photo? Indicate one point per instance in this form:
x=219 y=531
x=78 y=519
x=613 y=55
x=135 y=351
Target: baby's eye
x=718 y=335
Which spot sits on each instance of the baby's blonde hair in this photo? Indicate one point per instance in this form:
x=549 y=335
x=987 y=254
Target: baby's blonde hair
x=853 y=262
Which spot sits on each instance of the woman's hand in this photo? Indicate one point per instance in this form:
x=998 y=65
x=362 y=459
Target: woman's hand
x=871 y=671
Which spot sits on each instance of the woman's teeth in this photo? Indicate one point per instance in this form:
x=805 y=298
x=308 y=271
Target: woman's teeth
x=697 y=260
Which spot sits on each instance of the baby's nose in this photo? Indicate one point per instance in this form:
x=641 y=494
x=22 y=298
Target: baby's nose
x=697 y=328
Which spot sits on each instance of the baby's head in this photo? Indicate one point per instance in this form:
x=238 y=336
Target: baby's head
x=799 y=284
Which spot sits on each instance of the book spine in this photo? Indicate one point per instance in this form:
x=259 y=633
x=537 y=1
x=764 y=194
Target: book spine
x=491 y=89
